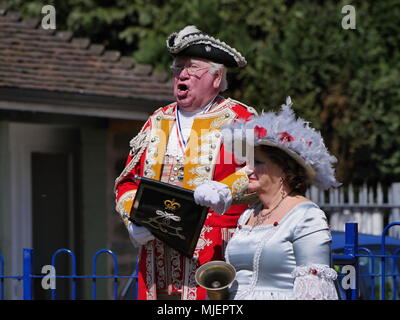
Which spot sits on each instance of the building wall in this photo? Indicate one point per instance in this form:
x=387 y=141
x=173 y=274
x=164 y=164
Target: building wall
x=101 y=154
x=5 y=236
x=120 y=132
x=17 y=141
x=94 y=204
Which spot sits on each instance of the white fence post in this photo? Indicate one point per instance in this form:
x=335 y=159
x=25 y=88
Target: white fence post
x=363 y=205
x=377 y=216
x=394 y=215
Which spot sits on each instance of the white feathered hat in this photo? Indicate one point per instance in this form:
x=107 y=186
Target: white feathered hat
x=294 y=136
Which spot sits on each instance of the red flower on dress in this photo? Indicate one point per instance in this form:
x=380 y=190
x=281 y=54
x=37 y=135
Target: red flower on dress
x=286 y=137
x=260 y=132
x=314 y=272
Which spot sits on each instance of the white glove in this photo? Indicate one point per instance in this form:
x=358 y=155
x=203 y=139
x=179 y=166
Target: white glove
x=214 y=195
x=139 y=235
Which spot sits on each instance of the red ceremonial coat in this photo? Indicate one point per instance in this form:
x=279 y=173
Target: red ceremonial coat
x=160 y=267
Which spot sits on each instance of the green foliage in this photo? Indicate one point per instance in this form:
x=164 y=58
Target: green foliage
x=346 y=82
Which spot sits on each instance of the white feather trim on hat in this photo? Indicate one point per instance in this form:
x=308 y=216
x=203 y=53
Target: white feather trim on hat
x=190 y=37
x=184 y=32
x=294 y=136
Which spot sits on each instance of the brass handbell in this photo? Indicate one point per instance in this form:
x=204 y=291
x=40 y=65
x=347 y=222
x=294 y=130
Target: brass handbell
x=216 y=277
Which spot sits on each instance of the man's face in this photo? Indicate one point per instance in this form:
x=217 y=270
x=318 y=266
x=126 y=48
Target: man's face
x=194 y=85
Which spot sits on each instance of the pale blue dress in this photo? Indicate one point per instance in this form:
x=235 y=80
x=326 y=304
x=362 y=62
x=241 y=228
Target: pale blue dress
x=287 y=261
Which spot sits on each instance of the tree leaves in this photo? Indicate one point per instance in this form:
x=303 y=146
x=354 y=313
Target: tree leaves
x=346 y=82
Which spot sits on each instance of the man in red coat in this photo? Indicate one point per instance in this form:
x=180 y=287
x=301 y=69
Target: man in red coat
x=181 y=144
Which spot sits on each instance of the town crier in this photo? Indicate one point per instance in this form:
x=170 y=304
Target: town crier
x=181 y=144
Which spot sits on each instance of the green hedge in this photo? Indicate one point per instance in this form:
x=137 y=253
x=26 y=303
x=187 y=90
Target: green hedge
x=346 y=82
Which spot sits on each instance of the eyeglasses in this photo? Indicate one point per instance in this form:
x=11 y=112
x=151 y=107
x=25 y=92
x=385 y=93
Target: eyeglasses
x=191 y=70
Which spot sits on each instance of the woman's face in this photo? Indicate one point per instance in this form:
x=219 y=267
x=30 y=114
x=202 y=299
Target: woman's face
x=266 y=176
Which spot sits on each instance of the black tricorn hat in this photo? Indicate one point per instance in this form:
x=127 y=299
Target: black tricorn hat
x=192 y=42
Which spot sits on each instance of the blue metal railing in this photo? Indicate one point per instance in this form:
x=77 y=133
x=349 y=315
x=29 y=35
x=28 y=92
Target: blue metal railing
x=73 y=275
x=352 y=254
x=349 y=257
x=371 y=270
x=28 y=275
x=1 y=277
x=383 y=262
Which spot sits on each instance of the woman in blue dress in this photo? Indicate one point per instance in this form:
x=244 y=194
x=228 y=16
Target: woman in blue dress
x=281 y=247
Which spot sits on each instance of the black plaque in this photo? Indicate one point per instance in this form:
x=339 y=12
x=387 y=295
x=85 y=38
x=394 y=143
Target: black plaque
x=170 y=213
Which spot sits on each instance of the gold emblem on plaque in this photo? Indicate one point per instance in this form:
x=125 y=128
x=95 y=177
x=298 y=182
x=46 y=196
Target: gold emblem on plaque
x=171 y=205
x=163 y=219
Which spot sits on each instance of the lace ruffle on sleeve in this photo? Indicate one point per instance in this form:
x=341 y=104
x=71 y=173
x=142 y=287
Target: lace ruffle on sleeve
x=314 y=282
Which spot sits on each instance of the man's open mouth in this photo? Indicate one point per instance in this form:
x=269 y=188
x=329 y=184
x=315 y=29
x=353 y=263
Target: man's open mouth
x=182 y=87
